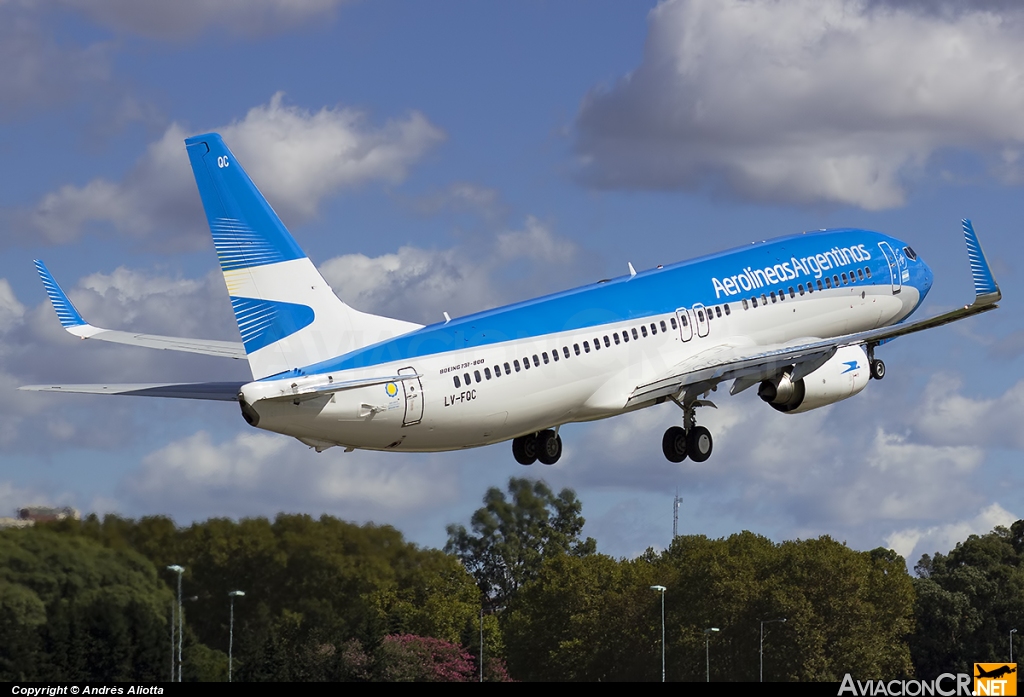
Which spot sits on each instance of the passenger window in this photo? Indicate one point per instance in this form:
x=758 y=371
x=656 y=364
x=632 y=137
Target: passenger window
x=727 y=311
x=457 y=383
x=565 y=350
x=545 y=357
x=867 y=272
x=860 y=275
x=745 y=304
x=635 y=335
x=819 y=284
x=616 y=337
x=844 y=278
x=526 y=363
x=800 y=288
x=718 y=310
x=554 y=355
x=597 y=343
x=576 y=348
x=643 y=330
x=516 y=364
x=764 y=299
x=536 y=361
x=487 y=373
x=828 y=282
x=673 y=321
x=773 y=296
x=607 y=341
x=508 y=371
x=791 y=293
x=654 y=329
x=586 y=347
x=497 y=371
x=754 y=301
x=476 y=374
x=625 y=336
x=686 y=322
x=466 y=379
x=663 y=326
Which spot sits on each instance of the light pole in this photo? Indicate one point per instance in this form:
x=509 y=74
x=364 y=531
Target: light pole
x=707 y=652
x=178 y=570
x=231 y=627
x=662 y=589
x=761 y=649
x=1012 y=632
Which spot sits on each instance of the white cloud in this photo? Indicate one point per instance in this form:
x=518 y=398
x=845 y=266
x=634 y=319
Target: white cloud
x=262 y=474
x=947 y=416
x=296 y=157
x=420 y=284
x=188 y=17
x=911 y=543
x=838 y=101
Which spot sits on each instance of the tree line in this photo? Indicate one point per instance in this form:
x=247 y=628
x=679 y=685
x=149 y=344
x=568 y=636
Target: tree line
x=330 y=600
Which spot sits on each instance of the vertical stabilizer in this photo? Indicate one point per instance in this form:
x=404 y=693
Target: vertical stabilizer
x=287 y=314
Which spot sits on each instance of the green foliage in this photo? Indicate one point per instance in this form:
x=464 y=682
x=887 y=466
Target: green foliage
x=74 y=610
x=595 y=618
x=513 y=536
x=968 y=601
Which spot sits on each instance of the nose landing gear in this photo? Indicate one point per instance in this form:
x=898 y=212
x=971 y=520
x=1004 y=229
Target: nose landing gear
x=690 y=440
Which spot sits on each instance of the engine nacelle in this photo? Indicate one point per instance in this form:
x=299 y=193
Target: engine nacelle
x=842 y=376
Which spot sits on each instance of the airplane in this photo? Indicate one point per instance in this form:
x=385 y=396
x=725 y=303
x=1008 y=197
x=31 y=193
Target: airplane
x=800 y=317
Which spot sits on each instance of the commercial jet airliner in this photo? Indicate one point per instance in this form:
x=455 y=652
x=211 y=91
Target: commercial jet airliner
x=799 y=317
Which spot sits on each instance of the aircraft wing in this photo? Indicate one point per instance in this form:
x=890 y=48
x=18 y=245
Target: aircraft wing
x=217 y=391
x=748 y=365
x=73 y=322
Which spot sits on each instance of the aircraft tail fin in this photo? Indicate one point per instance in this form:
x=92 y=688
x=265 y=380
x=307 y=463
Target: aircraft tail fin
x=286 y=312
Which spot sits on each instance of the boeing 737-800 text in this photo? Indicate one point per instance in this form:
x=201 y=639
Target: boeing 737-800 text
x=799 y=317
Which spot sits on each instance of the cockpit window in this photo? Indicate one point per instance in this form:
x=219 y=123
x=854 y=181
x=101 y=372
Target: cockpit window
x=911 y=254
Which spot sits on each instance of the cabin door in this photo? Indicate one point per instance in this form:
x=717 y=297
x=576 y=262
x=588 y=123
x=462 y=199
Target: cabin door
x=894 y=267
x=413 y=390
x=685 y=324
x=703 y=325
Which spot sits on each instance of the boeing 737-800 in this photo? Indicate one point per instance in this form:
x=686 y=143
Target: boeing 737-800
x=799 y=317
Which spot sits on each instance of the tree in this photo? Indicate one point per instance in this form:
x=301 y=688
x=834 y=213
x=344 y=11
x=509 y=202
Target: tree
x=513 y=536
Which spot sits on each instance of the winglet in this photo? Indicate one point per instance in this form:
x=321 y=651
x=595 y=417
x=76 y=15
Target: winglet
x=985 y=285
x=66 y=311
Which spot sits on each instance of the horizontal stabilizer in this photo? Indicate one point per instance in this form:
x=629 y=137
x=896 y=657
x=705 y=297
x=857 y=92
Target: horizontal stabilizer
x=216 y=391
x=72 y=320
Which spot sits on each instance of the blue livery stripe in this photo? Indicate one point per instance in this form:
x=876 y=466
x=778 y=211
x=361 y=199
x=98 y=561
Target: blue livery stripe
x=984 y=281
x=648 y=294
x=246 y=230
x=262 y=322
x=66 y=312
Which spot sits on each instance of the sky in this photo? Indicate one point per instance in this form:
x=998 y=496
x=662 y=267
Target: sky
x=456 y=156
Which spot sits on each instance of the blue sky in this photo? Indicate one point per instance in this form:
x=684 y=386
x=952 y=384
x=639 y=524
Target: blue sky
x=446 y=156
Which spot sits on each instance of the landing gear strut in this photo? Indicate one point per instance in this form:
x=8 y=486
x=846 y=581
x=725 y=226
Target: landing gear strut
x=690 y=440
x=545 y=446
x=877 y=368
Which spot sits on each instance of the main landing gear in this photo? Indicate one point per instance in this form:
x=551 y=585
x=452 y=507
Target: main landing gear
x=689 y=440
x=545 y=446
x=877 y=368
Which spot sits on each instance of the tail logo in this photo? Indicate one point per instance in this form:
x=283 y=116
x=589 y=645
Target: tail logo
x=263 y=322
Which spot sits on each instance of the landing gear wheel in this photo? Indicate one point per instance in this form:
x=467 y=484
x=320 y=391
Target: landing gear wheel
x=699 y=444
x=673 y=444
x=549 y=447
x=524 y=449
x=877 y=369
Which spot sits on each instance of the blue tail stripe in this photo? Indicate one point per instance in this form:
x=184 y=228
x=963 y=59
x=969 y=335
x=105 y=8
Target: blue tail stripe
x=246 y=230
x=984 y=281
x=66 y=312
x=262 y=322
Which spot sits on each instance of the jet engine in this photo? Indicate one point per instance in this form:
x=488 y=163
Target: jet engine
x=842 y=376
